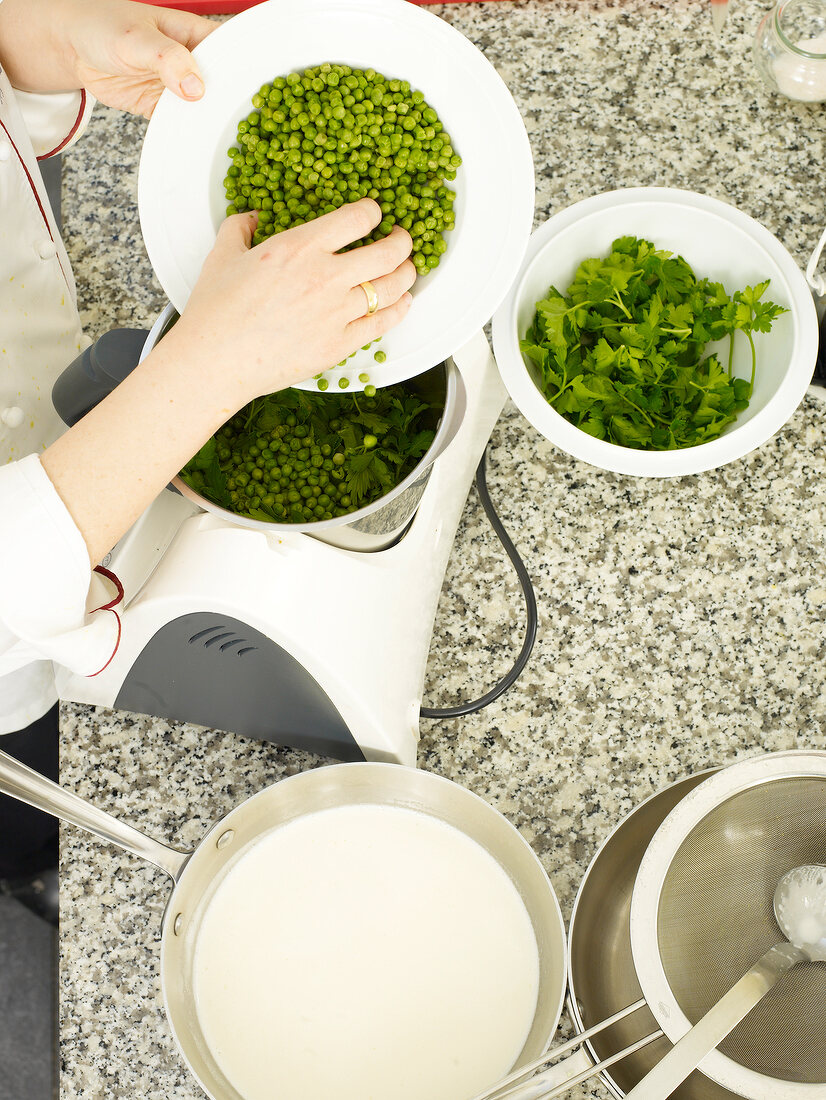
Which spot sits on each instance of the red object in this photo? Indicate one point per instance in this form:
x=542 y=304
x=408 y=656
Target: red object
x=71 y=133
x=230 y=7
x=110 y=607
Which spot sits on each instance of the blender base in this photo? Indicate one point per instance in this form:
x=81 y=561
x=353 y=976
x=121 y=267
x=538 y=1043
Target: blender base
x=282 y=637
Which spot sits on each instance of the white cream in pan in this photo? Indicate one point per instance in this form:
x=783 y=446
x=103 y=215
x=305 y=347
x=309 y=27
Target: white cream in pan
x=365 y=953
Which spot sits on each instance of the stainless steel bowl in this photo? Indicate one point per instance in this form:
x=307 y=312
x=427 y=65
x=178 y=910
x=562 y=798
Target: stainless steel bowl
x=602 y=978
x=379 y=524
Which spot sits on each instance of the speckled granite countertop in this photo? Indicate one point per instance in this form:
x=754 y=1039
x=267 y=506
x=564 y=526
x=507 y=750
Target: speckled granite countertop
x=681 y=623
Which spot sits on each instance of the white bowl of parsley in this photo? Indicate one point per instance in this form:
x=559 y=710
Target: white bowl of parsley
x=656 y=332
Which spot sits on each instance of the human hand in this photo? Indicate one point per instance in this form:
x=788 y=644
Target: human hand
x=124 y=53
x=258 y=319
x=263 y=318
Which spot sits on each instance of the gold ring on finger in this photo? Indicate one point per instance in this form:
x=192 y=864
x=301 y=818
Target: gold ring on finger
x=372 y=297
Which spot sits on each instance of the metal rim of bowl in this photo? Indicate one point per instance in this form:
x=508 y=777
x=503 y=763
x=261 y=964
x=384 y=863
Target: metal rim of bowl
x=159 y=329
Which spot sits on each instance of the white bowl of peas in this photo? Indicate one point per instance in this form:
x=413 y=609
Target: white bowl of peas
x=656 y=332
x=311 y=105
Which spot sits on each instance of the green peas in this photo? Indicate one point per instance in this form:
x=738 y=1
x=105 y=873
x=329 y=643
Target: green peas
x=380 y=356
x=333 y=134
x=291 y=456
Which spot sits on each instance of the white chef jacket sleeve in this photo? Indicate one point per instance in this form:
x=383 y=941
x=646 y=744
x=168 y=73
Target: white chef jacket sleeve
x=49 y=607
x=54 y=120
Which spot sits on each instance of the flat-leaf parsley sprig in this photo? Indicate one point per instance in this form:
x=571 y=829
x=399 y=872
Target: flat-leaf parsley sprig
x=300 y=457
x=621 y=354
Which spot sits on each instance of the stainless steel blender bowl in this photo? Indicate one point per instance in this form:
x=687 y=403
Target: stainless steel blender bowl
x=379 y=524
x=101 y=367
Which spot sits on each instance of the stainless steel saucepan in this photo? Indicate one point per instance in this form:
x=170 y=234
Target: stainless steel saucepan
x=682 y=925
x=196 y=874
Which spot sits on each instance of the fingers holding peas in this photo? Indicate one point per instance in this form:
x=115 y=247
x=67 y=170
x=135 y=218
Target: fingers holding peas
x=385 y=263
x=378 y=257
x=340 y=228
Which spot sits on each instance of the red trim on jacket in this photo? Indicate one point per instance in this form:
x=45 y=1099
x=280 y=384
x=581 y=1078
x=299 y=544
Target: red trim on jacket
x=72 y=132
x=28 y=177
x=35 y=192
x=110 y=607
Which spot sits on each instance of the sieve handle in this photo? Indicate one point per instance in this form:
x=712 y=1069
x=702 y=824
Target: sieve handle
x=708 y=1032
x=564 y=1075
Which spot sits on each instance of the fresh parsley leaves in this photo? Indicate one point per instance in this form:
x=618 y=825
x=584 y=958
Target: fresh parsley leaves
x=300 y=457
x=620 y=355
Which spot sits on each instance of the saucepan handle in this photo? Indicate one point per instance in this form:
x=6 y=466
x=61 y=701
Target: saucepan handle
x=572 y=1071
x=29 y=786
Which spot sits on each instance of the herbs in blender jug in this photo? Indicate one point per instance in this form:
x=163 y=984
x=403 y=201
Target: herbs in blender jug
x=300 y=457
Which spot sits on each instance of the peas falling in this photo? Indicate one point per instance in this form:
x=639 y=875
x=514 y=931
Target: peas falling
x=302 y=457
x=333 y=134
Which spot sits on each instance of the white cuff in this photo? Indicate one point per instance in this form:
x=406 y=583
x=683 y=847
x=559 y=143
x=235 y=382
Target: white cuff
x=54 y=120
x=45 y=578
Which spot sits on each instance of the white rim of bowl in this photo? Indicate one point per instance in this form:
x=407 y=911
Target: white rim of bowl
x=628 y=460
x=496 y=276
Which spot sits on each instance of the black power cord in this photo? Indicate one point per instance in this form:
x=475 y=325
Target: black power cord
x=513 y=675
x=819 y=378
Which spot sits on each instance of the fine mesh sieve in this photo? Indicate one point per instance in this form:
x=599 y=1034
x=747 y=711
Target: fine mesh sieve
x=704 y=895
x=715 y=916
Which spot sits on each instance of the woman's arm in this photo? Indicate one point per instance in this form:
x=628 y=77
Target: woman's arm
x=259 y=319
x=124 y=53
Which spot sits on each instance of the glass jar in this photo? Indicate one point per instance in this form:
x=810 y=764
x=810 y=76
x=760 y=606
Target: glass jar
x=790 y=50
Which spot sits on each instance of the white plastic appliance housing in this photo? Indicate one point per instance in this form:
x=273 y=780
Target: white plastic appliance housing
x=358 y=623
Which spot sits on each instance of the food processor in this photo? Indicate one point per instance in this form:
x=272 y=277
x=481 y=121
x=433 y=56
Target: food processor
x=273 y=633
x=314 y=637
